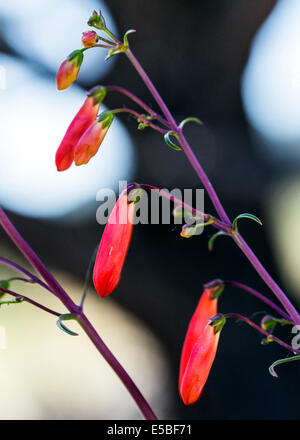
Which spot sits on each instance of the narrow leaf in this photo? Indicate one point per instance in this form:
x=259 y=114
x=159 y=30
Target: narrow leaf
x=281 y=361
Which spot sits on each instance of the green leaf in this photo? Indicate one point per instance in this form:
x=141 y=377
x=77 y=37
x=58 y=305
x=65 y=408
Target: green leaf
x=245 y=215
x=281 y=361
x=125 y=38
x=213 y=239
x=66 y=317
x=192 y=119
x=169 y=142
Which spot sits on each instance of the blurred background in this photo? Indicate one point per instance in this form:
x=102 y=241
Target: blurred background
x=236 y=66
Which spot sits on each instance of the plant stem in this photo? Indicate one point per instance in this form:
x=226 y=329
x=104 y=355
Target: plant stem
x=267 y=277
x=29 y=300
x=58 y=291
x=117 y=367
x=258 y=295
x=139 y=102
x=139 y=117
x=20 y=269
x=212 y=193
x=261 y=330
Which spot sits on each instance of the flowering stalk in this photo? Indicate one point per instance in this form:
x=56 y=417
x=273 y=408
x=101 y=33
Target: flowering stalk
x=213 y=195
x=58 y=291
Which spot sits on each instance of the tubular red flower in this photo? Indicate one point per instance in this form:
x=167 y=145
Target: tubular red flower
x=68 y=70
x=81 y=122
x=90 y=141
x=113 y=247
x=199 y=349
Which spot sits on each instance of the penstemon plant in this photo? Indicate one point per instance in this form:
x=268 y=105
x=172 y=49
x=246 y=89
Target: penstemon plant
x=80 y=143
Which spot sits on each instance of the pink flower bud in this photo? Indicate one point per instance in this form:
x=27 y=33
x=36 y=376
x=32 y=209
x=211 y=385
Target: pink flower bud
x=82 y=121
x=91 y=140
x=89 y=38
x=68 y=70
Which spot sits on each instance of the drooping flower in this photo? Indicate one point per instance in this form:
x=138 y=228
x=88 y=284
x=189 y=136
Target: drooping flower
x=89 y=38
x=90 y=141
x=199 y=348
x=113 y=246
x=81 y=122
x=68 y=70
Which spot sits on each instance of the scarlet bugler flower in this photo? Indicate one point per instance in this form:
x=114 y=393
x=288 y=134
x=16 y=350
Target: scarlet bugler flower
x=199 y=348
x=113 y=246
x=90 y=141
x=89 y=38
x=68 y=70
x=81 y=122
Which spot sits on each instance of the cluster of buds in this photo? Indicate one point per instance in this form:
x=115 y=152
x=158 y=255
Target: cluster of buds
x=85 y=133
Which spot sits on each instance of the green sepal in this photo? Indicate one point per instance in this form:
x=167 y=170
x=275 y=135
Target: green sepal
x=77 y=55
x=213 y=238
x=4 y=284
x=97 y=21
x=245 y=215
x=192 y=119
x=281 y=361
x=169 y=142
x=134 y=196
x=217 y=322
x=98 y=93
x=106 y=118
x=216 y=287
x=189 y=230
x=66 y=317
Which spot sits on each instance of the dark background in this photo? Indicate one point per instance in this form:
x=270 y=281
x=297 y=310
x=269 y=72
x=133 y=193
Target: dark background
x=195 y=53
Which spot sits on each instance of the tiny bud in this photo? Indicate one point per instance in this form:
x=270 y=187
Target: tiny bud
x=97 y=21
x=89 y=38
x=268 y=323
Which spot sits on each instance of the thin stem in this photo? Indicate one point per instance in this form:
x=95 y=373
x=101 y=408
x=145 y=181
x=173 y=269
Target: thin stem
x=20 y=269
x=206 y=217
x=117 y=367
x=107 y=41
x=140 y=117
x=152 y=89
x=34 y=260
x=261 y=330
x=31 y=301
x=23 y=246
x=258 y=295
x=267 y=277
x=212 y=193
x=104 y=46
x=139 y=102
x=87 y=277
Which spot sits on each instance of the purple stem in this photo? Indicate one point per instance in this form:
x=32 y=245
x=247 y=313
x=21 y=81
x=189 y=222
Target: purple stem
x=139 y=116
x=31 y=301
x=258 y=295
x=139 y=102
x=261 y=330
x=57 y=290
x=212 y=193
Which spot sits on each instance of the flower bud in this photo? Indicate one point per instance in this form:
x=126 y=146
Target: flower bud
x=91 y=140
x=97 y=21
x=113 y=246
x=199 y=349
x=81 y=122
x=89 y=38
x=68 y=70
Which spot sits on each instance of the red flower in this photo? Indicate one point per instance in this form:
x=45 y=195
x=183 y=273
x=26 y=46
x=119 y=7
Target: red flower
x=82 y=121
x=90 y=141
x=68 y=70
x=89 y=38
x=199 y=349
x=113 y=246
